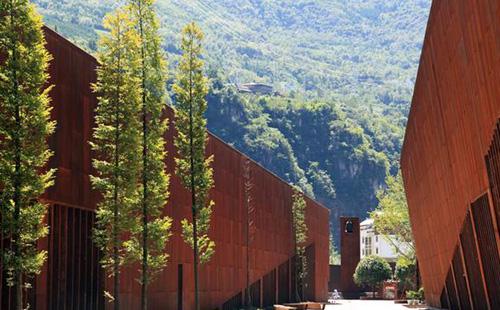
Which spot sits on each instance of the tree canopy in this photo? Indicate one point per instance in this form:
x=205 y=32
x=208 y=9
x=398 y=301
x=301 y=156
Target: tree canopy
x=372 y=271
x=115 y=142
x=351 y=61
x=192 y=164
x=391 y=217
x=25 y=125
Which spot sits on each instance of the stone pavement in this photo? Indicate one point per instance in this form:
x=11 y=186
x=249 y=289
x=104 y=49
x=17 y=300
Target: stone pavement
x=368 y=305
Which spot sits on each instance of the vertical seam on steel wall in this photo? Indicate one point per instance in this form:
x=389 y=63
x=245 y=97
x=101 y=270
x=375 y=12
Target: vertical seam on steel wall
x=440 y=105
x=452 y=270
x=496 y=225
x=465 y=274
x=478 y=253
x=447 y=296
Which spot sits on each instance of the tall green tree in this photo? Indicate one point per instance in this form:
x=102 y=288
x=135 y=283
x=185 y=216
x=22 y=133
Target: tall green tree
x=334 y=253
x=192 y=165
x=250 y=223
x=25 y=126
x=391 y=217
x=372 y=271
x=116 y=140
x=406 y=274
x=152 y=231
x=299 y=227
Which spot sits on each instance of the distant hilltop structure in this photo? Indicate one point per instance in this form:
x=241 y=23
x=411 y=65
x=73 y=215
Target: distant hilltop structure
x=256 y=88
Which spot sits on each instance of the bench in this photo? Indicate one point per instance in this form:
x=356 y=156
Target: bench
x=315 y=305
x=281 y=307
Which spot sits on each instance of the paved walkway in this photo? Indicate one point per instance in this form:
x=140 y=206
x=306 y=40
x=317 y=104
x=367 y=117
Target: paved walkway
x=367 y=305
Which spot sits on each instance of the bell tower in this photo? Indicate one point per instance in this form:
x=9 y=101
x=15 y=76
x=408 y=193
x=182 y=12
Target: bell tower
x=350 y=255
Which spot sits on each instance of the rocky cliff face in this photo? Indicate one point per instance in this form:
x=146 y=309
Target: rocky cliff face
x=363 y=53
x=310 y=144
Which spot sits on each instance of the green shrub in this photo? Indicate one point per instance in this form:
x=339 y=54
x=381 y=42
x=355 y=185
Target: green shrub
x=406 y=273
x=416 y=294
x=411 y=295
x=372 y=271
x=421 y=294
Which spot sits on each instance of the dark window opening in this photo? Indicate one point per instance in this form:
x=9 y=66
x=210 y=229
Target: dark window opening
x=349 y=227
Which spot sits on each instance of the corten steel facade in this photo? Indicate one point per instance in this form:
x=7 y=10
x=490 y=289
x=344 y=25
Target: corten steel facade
x=349 y=255
x=451 y=156
x=72 y=279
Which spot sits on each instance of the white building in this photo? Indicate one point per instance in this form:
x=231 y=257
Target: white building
x=372 y=243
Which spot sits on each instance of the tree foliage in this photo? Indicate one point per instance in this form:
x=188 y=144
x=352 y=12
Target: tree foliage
x=334 y=253
x=192 y=165
x=361 y=74
x=406 y=273
x=368 y=50
x=25 y=126
x=372 y=271
x=116 y=140
x=152 y=229
x=250 y=222
x=313 y=144
x=300 y=238
x=391 y=217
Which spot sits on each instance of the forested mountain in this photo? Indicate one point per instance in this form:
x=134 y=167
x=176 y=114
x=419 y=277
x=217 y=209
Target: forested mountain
x=346 y=69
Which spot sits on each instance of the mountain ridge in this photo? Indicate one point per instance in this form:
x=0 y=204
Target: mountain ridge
x=346 y=69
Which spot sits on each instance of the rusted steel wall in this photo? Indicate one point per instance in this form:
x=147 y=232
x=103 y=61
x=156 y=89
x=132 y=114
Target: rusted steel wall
x=349 y=256
x=71 y=72
x=224 y=277
x=451 y=125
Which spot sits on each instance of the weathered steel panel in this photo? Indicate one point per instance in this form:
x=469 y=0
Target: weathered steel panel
x=75 y=280
x=284 y=282
x=490 y=258
x=454 y=112
x=349 y=255
x=493 y=167
x=224 y=277
x=461 y=280
x=451 y=291
x=444 y=299
x=472 y=266
x=269 y=289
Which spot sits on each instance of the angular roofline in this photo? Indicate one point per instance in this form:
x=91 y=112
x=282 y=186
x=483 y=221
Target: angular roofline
x=264 y=168
x=424 y=45
x=212 y=135
x=73 y=45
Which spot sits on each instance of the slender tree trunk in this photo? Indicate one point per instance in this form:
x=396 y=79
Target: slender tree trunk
x=296 y=269
x=116 y=263
x=417 y=275
x=193 y=194
x=144 y=279
x=248 y=301
x=297 y=275
x=17 y=211
x=195 y=254
x=17 y=182
x=403 y=290
x=116 y=276
x=144 y=276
